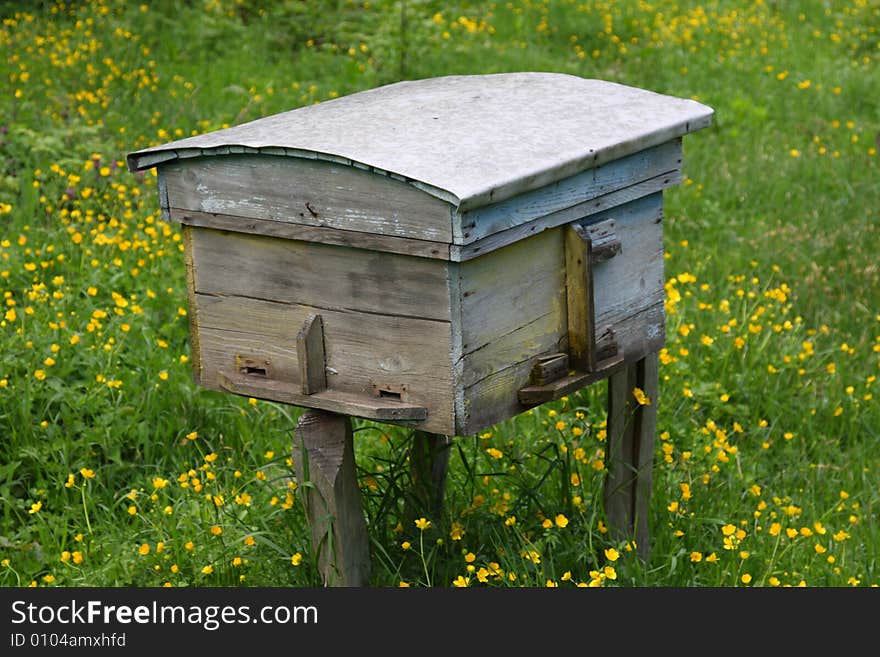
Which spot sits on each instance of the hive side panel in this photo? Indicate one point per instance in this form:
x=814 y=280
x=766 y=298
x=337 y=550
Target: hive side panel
x=320 y=275
x=659 y=162
x=382 y=336
x=513 y=310
x=308 y=192
x=629 y=288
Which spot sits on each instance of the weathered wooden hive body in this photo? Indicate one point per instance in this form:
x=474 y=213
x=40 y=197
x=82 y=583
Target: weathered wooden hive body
x=443 y=252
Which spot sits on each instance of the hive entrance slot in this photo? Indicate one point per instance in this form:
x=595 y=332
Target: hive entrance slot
x=388 y=394
x=254 y=371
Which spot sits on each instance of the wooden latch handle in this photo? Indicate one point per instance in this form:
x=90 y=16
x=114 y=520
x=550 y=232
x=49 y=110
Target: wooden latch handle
x=590 y=349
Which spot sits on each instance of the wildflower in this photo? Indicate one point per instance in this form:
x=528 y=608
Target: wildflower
x=216 y=530
x=192 y=435
x=406 y=545
x=144 y=549
x=456 y=532
x=158 y=482
x=746 y=578
x=470 y=557
x=461 y=581
x=561 y=520
x=35 y=507
x=207 y=570
x=296 y=559
x=494 y=453
x=696 y=557
x=641 y=397
x=423 y=523
x=248 y=540
x=611 y=554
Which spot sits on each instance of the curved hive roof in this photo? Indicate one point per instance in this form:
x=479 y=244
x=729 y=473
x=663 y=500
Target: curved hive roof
x=471 y=140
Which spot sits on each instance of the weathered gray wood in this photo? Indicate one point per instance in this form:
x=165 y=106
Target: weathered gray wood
x=565 y=216
x=495 y=398
x=512 y=306
x=660 y=162
x=323 y=457
x=549 y=368
x=192 y=306
x=320 y=275
x=363 y=351
x=310 y=353
x=643 y=455
x=326 y=235
x=630 y=455
x=335 y=401
x=604 y=242
x=479 y=139
x=579 y=298
x=429 y=459
x=537 y=393
x=309 y=192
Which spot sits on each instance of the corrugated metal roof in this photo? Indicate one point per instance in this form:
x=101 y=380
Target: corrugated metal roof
x=472 y=140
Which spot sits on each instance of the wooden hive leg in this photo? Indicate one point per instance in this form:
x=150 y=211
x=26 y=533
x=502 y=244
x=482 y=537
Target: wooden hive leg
x=631 y=429
x=323 y=456
x=428 y=460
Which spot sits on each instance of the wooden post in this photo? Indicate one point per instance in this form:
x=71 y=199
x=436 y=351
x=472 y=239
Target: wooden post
x=630 y=457
x=323 y=456
x=428 y=460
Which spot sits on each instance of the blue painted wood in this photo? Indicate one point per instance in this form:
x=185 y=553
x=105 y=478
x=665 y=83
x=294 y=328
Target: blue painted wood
x=592 y=183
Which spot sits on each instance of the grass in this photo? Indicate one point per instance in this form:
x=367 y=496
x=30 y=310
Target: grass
x=115 y=470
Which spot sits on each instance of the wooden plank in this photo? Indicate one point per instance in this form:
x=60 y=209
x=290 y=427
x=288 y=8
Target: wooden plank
x=548 y=369
x=572 y=191
x=630 y=455
x=495 y=397
x=323 y=458
x=535 y=394
x=579 y=298
x=326 y=235
x=565 y=216
x=429 y=460
x=643 y=457
x=512 y=288
x=336 y=401
x=320 y=275
x=363 y=351
x=309 y=192
x=310 y=353
x=192 y=312
x=512 y=311
x=618 y=493
x=633 y=280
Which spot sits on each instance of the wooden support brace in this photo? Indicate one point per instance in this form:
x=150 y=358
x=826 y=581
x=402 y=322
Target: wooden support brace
x=323 y=457
x=310 y=354
x=630 y=457
x=429 y=460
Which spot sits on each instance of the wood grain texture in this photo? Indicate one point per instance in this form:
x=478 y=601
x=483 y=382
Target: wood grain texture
x=335 y=401
x=320 y=275
x=323 y=457
x=630 y=455
x=325 y=235
x=309 y=192
x=363 y=351
x=568 y=215
x=628 y=288
x=570 y=192
x=580 y=310
x=429 y=460
x=310 y=353
x=192 y=306
x=512 y=311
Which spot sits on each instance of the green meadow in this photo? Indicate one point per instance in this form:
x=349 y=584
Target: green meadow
x=117 y=470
